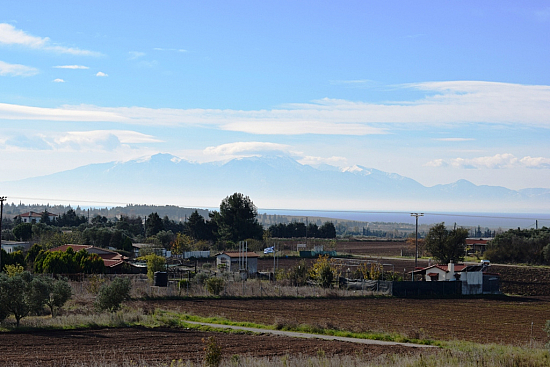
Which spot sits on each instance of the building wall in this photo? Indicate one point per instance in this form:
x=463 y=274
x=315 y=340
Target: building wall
x=232 y=264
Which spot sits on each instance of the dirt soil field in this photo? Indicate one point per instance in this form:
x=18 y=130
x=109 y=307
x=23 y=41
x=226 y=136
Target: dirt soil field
x=67 y=348
x=506 y=321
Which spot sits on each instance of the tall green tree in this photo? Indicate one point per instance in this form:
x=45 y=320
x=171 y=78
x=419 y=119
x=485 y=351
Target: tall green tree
x=446 y=245
x=153 y=225
x=23 y=231
x=238 y=219
x=45 y=218
x=327 y=230
x=197 y=228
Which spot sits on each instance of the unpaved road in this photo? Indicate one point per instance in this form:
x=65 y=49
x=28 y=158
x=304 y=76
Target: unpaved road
x=293 y=334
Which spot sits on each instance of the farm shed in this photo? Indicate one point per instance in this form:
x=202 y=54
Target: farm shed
x=235 y=261
x=474 y=245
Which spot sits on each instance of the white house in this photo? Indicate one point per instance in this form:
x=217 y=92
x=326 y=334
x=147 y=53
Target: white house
x=471 y=276
x=236 y=261
x=33 y=217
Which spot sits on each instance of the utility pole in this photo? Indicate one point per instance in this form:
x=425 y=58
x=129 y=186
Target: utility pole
x=416 y=239
x=2 y=199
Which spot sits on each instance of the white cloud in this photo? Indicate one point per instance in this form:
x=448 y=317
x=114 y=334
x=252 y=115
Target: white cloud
x=299 y=127
x=96 y=136
x=498 y=161
x=255 y=148
x=247 y=149
x=535 y=162
x=436 y=163
x=100 y=73
x=135 y=55
x=19 y=112
x=332 y=161
x=71 y=67
x=11 y=36
x=455 y=139
x=93 y=140
x=58 y=80
x=16 y=69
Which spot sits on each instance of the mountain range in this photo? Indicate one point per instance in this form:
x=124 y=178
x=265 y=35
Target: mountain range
x=274 y=182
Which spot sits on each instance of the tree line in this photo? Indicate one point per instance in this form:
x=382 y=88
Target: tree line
x=294 y=230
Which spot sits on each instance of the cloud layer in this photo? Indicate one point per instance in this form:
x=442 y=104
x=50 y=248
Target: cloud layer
x=498 y=161
x=95 y=140
x=445 y=103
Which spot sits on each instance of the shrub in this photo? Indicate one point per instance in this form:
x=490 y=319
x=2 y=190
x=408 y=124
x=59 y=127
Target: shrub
x=215 y=285
x=201 y=278
x=112 y=295
x=212 y=352
x=324 y=271
x=298 y=274
x=154 y=263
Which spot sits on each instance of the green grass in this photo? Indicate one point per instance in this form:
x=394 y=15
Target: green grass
x=310 y=329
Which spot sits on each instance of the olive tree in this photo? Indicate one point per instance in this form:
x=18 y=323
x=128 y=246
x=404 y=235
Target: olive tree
x=22 y=294
x=112 y=295
x=446 y=245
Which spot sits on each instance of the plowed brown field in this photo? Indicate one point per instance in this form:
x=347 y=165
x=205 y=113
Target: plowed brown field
x=506 y=321
x=107 y=346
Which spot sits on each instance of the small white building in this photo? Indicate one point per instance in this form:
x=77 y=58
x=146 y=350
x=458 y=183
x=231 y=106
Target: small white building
x=12 y=246
x=471 y=276
x=236 y=261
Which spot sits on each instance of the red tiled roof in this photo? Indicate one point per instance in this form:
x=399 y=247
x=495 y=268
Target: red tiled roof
x=473 y=241
x=445 y=268
x=76 y=248
x=110 y=258
x=35 y=215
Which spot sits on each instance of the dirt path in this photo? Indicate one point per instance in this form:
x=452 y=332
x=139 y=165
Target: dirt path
x=293 y=334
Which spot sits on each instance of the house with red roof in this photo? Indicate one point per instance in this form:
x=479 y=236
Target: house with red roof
x=112 y=260
x=475 y=278
x=479 y=245
x=34 y=217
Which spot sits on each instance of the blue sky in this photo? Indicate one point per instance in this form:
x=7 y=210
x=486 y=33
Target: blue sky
x=433 y=90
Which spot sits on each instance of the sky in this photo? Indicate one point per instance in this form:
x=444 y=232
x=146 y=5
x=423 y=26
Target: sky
x=433 y=90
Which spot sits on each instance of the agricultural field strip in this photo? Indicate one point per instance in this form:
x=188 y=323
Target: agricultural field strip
x=295 y=334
